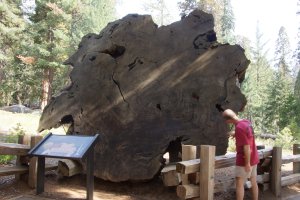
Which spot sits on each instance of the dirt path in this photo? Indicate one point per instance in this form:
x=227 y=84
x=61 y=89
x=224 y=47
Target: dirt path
x=74 y=188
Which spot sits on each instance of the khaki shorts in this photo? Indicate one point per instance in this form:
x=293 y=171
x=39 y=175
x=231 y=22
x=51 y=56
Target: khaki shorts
x=240 y=172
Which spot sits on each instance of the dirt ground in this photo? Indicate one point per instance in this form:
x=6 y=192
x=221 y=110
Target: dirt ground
x=74 y=188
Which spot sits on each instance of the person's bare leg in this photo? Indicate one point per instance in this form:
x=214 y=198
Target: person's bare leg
x=254 y=187
x=239 y=183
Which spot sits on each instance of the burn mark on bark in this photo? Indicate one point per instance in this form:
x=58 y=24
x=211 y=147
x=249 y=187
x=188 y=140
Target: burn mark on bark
x=158 y=106
x=92 y=58
x=219 y=107
x=115 y=51
x=174 y=149
x=67 y=119
x=133 y=64
x=113 y=28
x=119 y=87
x=198 y=41
x=211 y=36
x=195 y=96
x=83 y=57
x=204 y=40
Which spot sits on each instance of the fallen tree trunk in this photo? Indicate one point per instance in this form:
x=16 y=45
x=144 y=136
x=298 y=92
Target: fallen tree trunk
x=68 y=167
x=146 y=90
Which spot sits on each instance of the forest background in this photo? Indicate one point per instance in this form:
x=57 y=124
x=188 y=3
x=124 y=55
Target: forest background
x=36 y=37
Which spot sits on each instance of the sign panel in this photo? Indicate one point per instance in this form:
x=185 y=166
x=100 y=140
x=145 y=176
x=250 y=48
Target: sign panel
x=63 y=146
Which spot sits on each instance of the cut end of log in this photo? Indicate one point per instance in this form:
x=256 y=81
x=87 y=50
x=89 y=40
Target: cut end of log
x=141 y=87
x=69 y=167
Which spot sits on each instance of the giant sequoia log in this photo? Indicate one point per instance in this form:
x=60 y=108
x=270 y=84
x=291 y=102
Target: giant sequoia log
x=146 y=89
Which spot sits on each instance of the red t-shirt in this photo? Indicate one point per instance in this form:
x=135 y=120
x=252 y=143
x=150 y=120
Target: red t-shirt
x=244 y=135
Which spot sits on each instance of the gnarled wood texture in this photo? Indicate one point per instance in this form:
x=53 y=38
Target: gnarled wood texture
x=146 y=89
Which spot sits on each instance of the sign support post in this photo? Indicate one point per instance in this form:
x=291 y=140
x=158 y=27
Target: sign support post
x=40 y=175
x=90 y=174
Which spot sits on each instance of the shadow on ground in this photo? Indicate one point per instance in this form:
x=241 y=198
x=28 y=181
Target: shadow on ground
x=74 y=188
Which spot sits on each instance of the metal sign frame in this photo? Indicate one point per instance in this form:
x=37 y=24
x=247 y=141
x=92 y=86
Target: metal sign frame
x=79 y=151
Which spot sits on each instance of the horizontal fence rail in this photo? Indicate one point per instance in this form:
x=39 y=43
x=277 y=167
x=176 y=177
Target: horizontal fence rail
x=186 y=175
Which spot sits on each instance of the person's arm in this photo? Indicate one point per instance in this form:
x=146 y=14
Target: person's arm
x=247 y=153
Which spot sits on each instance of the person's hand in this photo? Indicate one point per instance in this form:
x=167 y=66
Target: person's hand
x=248 y=167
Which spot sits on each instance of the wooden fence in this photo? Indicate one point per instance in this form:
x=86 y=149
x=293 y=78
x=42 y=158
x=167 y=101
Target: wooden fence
x=195 y=177
x=25 y=167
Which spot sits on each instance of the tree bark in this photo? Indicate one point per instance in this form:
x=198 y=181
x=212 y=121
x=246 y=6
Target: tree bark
x=147 y=90
x=47 y=86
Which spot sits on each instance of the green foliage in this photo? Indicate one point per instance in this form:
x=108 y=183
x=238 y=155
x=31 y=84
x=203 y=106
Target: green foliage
x=187 y=6
x=21 y=85
x=281 y=105
x=278 y=104
x=297 y=87
x=256 y=83
x=11 y=23
x=12 y=137
x=222 y=12
x=159 y=11
x=267 y=142
x=231 y=145
x=295 y=128
x=51 y=36
x=90 y=16
x=285 y=139
x=227 y=23
x=4 y=159
x=18 y=130
x=12 y=26
x=283 y=53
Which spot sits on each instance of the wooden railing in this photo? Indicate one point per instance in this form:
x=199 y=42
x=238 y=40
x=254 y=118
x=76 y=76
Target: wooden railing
x=195 y=177
x=25 y=167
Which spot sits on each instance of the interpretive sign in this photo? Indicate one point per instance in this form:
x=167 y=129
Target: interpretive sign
x=66 y=146
x=63 y=146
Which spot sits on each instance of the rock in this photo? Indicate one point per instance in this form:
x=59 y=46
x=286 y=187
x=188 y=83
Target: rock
x=16 y=109
x=146 y=90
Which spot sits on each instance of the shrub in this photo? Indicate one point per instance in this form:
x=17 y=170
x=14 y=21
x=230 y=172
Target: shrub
x=285 y=139
x=231 y=145
x=12 y=137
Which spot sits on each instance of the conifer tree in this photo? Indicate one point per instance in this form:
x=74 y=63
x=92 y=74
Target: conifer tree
x=222 y=12
x=258 y=77
x=90 y=16
x=50 y=31
x=227 y=23
x=161 y=14
x=57 y=28
x=283 y=53
x=280 y=105
x=11 y=26
x=187 y=6
x=296 y=124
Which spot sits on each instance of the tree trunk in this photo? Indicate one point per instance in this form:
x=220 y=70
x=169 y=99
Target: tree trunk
x=47 y=86
x=1 y=74
x=146 y=90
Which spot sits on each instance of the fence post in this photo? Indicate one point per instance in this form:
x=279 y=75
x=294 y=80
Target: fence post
x=296 y=165
x=276 y=171
x=188 y=153
x=207 y=169
x=32 y=177
x=20 y=159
